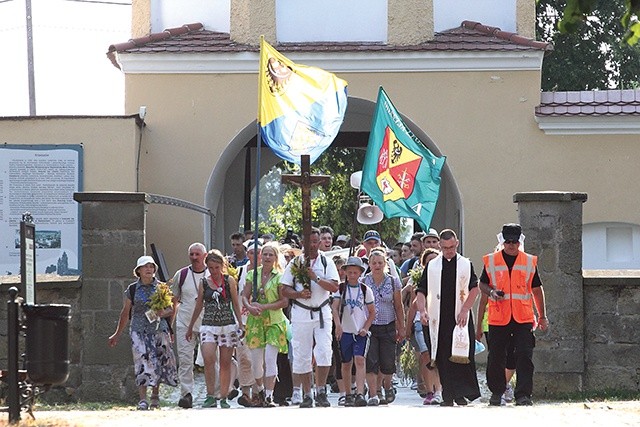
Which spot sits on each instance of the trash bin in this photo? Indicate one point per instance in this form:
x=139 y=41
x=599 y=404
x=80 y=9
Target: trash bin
x=47 y=342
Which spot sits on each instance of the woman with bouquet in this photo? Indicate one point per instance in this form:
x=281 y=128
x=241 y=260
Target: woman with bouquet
x=148 y=303
x=221 y=325
x=266 y=324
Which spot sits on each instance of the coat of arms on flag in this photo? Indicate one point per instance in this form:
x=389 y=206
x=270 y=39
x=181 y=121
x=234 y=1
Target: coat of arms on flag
x=400 y=174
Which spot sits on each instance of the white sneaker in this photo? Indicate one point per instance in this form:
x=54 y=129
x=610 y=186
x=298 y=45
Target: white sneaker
x=373 y=401
x=296 y=398
x=437 y=398
x=508 y=394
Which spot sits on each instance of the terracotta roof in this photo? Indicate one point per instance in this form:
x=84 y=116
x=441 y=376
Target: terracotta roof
x=590 y=103
x=193 y=38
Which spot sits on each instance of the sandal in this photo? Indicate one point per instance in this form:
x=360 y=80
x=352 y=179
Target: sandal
x=143 y=405
x=155 y=402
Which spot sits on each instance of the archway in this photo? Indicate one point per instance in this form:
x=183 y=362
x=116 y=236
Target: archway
x=225 y=192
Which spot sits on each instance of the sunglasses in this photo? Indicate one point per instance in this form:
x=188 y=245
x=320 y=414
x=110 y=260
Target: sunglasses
x=511 y=242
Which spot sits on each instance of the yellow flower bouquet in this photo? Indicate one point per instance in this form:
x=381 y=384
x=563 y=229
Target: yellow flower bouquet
x=232 y=272
x=162 y=298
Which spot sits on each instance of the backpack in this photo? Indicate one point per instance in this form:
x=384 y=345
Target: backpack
x=182 y=278
x=132 y=295
x=343 y=293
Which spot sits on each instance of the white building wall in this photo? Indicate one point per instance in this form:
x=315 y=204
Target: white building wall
x=213 y=14
x=495 y=13
x=611 y=246
x=331 y=20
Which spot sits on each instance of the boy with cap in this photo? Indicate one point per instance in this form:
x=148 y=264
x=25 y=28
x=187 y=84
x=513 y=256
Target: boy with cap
x=353 y=312
x=511 y=281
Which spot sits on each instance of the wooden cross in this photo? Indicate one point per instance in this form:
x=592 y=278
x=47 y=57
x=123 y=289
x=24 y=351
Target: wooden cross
x=305 y=180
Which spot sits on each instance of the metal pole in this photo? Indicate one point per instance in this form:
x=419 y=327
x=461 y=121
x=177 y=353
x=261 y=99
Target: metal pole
x=30 y=65
x=13 y=397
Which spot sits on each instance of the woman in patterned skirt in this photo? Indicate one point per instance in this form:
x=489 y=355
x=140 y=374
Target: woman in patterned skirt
x=266 y=324
x=221 y=327
x=153 y=357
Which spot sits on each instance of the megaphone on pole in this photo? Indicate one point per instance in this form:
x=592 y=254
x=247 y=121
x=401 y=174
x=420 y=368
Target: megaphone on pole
x=369 y=214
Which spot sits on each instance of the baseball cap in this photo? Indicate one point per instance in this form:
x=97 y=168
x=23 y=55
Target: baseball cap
x=511 y=231
x=371 y=234
x=342 y=238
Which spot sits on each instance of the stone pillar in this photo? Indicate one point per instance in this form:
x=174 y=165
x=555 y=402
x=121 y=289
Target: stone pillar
x=113 y=237
x=552 y=224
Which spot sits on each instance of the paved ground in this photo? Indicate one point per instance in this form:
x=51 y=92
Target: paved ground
x=407 y=408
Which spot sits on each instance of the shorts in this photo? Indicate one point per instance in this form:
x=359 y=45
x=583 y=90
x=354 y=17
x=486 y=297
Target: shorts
x=381 y=356
x=353 y=345
x=421 y=335
x=309 y=339
x=223 y=336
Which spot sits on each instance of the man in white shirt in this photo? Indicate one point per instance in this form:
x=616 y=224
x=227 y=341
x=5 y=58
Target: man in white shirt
x=185 y=292
x=311 y=318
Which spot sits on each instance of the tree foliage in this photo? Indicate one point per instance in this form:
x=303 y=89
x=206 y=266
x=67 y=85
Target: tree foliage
x=593 y=55
x=577 y=12
x=334 y=204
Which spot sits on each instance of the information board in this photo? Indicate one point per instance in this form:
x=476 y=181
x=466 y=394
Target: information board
x=41 y=179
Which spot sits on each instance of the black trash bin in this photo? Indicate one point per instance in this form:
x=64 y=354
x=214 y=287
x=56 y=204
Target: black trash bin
x=47 y=342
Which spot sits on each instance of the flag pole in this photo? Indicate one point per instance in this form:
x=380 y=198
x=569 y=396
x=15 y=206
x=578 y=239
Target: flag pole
x=258 y=160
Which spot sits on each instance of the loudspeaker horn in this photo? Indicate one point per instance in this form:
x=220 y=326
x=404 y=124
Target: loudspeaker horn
x=369 y=214
x=355 y=179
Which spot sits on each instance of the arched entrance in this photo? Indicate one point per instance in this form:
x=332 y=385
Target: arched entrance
x=225 y=192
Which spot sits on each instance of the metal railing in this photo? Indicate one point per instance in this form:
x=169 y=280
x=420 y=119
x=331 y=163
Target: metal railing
x=172 y=201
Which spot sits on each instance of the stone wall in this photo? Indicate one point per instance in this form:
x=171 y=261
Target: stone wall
x=113 y=237
x=552 y=224
x=612 y=330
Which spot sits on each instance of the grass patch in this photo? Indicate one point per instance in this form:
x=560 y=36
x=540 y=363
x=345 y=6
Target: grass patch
x=83 y=406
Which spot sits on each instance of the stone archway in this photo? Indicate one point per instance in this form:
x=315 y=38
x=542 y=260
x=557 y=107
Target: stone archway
x=224 y=194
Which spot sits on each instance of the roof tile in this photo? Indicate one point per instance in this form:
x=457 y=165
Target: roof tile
x=614 y=96
x=470 y=36
x=600 y=96
x=590 y=103
x=627 y=95
x=573 y=97
x=586 y=96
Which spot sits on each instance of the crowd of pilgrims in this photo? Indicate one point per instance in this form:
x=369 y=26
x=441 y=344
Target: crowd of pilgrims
x=243 y=336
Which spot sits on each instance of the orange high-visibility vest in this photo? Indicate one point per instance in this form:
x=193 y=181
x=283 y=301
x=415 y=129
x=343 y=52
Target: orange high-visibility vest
x=518 y=299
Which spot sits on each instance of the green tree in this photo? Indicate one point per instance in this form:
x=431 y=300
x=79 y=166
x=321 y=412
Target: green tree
x=577 y=12
x=592 y=56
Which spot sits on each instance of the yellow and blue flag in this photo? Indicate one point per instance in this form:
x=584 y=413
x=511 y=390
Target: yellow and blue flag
x=400 y=174
x=300 y=108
